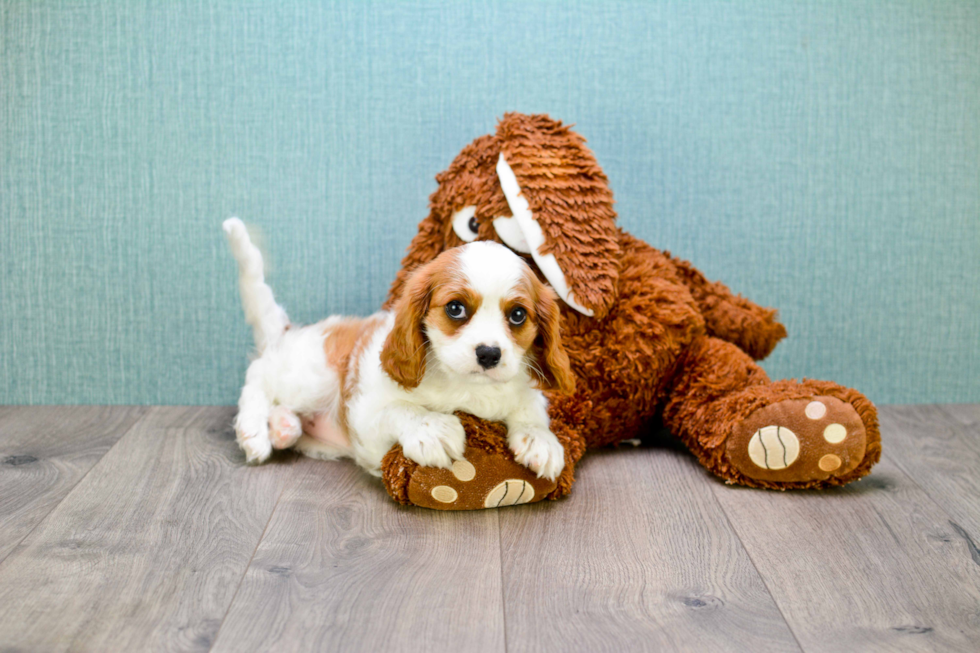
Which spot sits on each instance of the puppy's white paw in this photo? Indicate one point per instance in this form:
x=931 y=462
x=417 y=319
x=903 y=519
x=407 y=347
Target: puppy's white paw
x=437 y=441
x=538 y=450
x=284 y=427
x=256 y=446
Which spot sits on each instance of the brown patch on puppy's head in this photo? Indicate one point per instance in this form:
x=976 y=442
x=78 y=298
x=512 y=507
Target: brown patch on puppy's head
x=452 y=289
x=404 y=351
x=539 y=336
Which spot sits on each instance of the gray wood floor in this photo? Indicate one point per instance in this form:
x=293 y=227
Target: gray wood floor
x=125 y=529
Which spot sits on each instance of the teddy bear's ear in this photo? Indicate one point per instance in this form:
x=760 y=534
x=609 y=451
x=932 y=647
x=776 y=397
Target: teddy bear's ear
x=561 y=202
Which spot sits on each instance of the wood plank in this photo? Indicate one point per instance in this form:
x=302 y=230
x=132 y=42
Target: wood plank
x=44 y=452
x=343 y=568
x=871 y=566
x=966 y=414
x=938 y=447
x=148 y=550
x=638 y=557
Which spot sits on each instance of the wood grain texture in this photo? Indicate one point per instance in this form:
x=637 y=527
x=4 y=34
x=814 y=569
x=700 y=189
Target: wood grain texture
x=148 y=550
x=939 y=448
x=343 y=568
x=640 y=557
x=44 y=452
x=170 y=543
x=873 y=566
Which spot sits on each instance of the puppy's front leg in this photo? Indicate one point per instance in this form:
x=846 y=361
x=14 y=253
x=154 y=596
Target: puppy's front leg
x=431 y=439
x=531 y=439
x=252 y=421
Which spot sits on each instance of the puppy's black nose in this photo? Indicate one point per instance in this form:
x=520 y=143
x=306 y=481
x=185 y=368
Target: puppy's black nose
x=487 y=357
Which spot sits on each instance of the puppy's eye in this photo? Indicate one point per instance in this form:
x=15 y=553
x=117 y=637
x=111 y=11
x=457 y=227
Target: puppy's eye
x=456 y=310
x=517 y=316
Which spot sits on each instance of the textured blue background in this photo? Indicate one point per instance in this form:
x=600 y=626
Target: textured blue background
x=820 y=157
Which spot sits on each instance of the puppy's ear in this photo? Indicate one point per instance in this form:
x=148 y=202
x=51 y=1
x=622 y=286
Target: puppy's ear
x=403 y=355
x=552 y=369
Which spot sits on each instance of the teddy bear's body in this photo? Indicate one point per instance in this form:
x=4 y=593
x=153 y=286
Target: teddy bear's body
x=628 y=362
x=648 y=337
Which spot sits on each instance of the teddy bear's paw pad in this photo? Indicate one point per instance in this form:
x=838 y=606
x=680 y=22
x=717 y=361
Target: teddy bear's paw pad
x=480 y=480
x=799 y=440
x=511 y=492
x=774 y=447
x=444 y=494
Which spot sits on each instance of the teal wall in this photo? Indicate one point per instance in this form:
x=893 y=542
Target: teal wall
x=821 y=157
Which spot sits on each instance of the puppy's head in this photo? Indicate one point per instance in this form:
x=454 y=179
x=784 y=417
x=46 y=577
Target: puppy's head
x=478 y=312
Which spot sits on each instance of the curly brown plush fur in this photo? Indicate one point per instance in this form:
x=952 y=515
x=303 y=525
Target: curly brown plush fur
x=662 y=340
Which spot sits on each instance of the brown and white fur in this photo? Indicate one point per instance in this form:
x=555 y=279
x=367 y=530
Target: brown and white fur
x=356 y=386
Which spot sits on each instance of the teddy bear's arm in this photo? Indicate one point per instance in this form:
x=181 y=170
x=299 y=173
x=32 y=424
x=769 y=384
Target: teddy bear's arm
x=753 y=328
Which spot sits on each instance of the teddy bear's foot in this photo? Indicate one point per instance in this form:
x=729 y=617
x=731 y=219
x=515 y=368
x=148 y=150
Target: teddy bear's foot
x=817 y=440
x=482 y=480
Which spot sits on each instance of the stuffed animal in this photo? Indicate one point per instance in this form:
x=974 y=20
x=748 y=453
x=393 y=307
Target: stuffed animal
x=648 y=336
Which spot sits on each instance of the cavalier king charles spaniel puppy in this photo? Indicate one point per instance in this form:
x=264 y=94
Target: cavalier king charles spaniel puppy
x=473 y=331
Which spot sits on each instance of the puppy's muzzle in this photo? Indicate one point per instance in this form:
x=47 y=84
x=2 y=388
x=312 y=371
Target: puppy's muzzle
x=487 y=357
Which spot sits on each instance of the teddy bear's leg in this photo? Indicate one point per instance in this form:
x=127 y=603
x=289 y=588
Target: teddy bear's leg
x=785 y=434
x=488 y=477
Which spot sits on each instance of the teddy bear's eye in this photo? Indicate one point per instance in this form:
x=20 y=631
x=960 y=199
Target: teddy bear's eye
x=465 y=223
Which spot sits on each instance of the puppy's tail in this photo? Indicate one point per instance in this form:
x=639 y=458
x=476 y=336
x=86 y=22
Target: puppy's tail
x=267 y=318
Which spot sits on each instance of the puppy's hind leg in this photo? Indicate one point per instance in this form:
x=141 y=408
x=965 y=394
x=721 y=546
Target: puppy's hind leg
x=284 y=427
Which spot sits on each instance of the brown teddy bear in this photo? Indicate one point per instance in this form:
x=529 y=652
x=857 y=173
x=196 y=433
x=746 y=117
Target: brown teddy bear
x=647 y=335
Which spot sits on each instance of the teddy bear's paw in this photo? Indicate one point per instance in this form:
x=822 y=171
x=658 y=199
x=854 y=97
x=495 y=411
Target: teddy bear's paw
x=479 y=480
x=798 y=441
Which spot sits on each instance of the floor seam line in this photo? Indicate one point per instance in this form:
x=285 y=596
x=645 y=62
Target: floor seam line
x=911 y=479
x=503 y=599
x=765 y=584
x=77 y=483
x=248 y=566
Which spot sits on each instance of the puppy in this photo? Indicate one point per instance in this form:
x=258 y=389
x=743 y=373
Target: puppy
x=474 y=331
